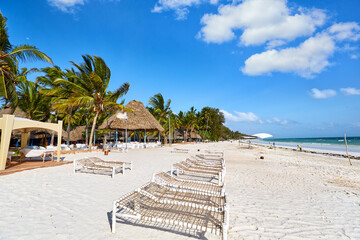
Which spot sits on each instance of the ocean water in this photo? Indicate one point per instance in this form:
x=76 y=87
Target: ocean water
x=325 y=143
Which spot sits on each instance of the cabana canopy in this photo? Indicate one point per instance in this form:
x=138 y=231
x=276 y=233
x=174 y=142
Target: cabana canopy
x=139 y=119
x=9 y=123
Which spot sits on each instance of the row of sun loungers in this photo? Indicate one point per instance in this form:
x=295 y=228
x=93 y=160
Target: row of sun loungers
x=96 y=164
x=170 y=200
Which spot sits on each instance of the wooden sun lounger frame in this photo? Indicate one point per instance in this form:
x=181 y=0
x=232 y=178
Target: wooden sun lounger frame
x=172 y=213
x=214 y=152
x=198 y=187
x=100 y=164
x=185 y=167
x=163 y=194
x=180 y=150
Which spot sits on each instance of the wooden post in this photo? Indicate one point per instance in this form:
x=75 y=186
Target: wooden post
x=6 y=126
x=347 y=149
x=59 y=141
x=24 y=142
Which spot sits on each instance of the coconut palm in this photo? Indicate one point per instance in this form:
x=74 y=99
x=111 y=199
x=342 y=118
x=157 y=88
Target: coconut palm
x=32 y=102
x=9 y=59
x=91 y=89
x=59 y=94
x=161 y=111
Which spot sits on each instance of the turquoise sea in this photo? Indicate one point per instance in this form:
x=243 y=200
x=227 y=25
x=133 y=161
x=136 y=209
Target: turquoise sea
x=322 y=143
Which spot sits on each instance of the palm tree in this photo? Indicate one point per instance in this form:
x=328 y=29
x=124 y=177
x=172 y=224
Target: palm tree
x=58 y=93
x=32 y=102
x=9 y=59
x=160 y=110
x=191 y=120
x=91 y=89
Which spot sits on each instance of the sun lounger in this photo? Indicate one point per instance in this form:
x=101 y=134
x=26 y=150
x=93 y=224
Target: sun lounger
x=163 y=194
x=141 y=206
x=32 y=153
x=204 y=164
x=189 y=185
x=94 y=163
x=214 y=152
x=180 y=150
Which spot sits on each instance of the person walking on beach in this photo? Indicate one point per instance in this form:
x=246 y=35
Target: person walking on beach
x=299 y=147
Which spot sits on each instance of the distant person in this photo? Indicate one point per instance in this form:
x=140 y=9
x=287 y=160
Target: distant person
x=299 y=147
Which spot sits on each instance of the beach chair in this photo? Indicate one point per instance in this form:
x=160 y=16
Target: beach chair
x=97 y=164
x=163 y=194
x=198 y=187
x=180 y=150
x=140 y=206
x=214 y=152
x=36 y=152
x=186 y=168
x=205 y=164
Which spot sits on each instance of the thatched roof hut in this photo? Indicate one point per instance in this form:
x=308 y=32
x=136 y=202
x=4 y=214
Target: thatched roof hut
x=18 y=112
x=140 y=119
x=76 y=134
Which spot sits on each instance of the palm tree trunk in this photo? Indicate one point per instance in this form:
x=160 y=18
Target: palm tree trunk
x=186 y=134
x=53 y=133
x=92 y=130
x=68 y=127
x=87 y=131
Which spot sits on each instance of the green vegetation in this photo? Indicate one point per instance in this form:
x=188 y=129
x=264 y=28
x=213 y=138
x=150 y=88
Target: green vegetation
x=208 y=123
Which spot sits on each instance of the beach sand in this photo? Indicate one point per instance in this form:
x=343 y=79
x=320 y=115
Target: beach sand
x=286 y=195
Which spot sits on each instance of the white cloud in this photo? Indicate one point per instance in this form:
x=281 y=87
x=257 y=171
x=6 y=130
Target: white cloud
x=350 y=91
x=307 y=59
x=240 y=116
x=261 y=21
x=252 y=118
x=345 y=31
x=322 y=94
x=276 y=120
x=179 y=6
x=66 y=5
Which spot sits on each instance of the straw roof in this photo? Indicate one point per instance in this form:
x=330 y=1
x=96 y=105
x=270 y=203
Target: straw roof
x=140 y=119
x=18 y=112
x=76 y=134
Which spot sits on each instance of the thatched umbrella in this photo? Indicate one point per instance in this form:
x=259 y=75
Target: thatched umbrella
x=76 y=134
x=18 y=112
x=139 y=119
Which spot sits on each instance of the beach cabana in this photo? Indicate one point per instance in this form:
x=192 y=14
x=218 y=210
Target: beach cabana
x=140 y=119
x=9 y=123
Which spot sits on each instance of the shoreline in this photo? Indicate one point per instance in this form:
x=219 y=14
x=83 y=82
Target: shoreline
x=314 y=150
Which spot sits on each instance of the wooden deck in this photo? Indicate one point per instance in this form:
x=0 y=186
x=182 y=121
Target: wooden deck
x=16 y=166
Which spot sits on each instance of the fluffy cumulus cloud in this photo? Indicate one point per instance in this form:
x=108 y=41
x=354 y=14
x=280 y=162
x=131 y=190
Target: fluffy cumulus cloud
x=179 y=6
x=240 y=116
x=322 y=94
x=307 y=59
x=345 y=31
x=261 y=21
x=350 y=91
x=66 y=5
x=273 y=24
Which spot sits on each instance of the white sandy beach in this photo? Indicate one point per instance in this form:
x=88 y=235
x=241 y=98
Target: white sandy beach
x=288 y=195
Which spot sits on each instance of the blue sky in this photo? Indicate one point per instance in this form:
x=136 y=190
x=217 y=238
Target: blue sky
x=289 y=68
